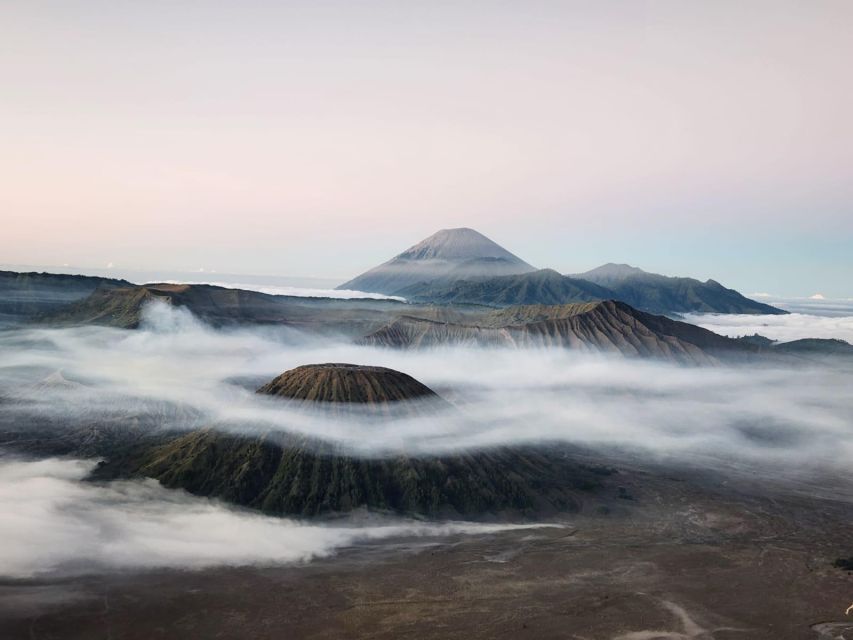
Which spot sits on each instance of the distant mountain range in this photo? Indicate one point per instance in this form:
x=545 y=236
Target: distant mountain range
x=461 y=266
x=663 y=294
x=452 y=267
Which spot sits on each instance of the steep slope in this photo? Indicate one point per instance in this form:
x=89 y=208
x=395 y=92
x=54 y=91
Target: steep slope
x=544 y=286
x=281 y=477
x=607 y=326
x=448 y=255
x=656 y=293
x=287 y=474
x=25 y=295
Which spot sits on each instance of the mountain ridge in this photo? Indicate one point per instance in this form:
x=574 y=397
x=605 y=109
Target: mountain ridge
x=544 y=286
x=606 y=326
x=658 y=293
x=645 y=291
x=31 y=293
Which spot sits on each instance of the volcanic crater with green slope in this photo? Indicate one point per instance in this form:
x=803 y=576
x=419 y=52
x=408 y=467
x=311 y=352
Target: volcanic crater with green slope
x=284 y=473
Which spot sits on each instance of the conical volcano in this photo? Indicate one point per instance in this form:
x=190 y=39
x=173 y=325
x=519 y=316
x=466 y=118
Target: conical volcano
x=351 y=383
x=446 y=256
x=283 y=473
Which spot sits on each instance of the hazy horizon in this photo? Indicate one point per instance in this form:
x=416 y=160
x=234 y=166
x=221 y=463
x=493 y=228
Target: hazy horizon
x=268 y=282
x=709 y=140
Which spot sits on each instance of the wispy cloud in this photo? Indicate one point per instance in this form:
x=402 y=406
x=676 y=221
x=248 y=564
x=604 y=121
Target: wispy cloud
x=50 y=521
x=795 y=416
x=828 y=320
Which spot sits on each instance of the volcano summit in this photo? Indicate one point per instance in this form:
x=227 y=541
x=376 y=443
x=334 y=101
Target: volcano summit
x=446 y=256
x=335 y=382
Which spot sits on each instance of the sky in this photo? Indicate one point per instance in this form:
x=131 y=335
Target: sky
x=317 y=139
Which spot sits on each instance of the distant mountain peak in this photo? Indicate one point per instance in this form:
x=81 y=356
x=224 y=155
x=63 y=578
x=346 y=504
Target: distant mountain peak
x=458 y=244
x=614 y=270
x=548 y=272
x=666 y=294
x=446 y=256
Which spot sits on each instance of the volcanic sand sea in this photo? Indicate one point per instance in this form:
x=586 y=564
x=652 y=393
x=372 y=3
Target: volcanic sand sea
x=678 y=554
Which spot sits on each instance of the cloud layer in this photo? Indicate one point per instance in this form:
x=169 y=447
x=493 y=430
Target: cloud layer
x=50 y=521
x=783 y=416
x=818 y=320
x=183 y=374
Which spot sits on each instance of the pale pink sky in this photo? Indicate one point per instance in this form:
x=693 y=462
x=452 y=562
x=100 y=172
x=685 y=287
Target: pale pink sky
x=703 y=138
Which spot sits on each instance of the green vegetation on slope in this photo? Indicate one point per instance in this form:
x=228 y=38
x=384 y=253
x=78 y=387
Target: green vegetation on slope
x=282 y=473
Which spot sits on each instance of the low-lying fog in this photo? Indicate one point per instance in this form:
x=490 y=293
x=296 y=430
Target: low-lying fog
x=51 y=521
x=791 y=419
x=808 y=318
x=799 y=415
